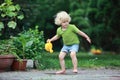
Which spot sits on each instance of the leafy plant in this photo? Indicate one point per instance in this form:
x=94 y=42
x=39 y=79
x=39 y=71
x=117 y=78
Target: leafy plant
x=7 y=48
x=30 y=43
x=9 y=13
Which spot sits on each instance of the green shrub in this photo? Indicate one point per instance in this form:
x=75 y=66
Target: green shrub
x=29 y=43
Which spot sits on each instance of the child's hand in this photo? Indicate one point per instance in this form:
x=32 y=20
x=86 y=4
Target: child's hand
x=88 y=39
x=48 y=40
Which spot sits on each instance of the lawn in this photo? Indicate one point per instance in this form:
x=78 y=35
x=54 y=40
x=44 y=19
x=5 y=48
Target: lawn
x=85 y=60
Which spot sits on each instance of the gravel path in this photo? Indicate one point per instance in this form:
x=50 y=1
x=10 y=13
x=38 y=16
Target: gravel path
x=83 y=74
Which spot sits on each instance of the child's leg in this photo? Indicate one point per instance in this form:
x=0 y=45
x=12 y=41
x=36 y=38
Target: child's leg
x=62 y=62
x=74 y=61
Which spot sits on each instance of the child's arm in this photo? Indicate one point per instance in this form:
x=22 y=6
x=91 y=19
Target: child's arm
x=53 y=38
x=84 y=35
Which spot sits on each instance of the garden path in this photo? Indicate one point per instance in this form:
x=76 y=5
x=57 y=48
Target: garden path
x=83 y=74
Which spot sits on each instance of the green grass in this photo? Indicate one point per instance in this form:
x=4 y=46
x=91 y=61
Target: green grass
x=85 y=60
x=103 y=60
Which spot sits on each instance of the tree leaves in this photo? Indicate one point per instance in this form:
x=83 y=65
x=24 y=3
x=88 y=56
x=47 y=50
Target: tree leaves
x=1 y=25
x=12 y=24
x=20 y=17
x=9 y=14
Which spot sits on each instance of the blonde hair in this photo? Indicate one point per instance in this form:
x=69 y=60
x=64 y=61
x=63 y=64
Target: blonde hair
x=61 y=17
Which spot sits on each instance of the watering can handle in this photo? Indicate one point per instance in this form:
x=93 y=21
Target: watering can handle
x=49 y=41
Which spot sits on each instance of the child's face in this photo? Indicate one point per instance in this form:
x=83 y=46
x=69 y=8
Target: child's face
x=64 y=24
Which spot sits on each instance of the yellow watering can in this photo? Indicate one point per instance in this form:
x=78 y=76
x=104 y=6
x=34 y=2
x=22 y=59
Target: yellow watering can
x=48 y=47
